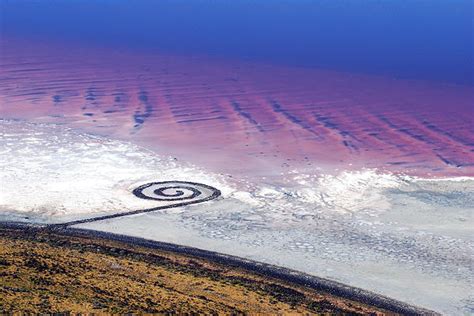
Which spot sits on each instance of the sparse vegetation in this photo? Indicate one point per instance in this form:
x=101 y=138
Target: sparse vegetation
x=46 y=272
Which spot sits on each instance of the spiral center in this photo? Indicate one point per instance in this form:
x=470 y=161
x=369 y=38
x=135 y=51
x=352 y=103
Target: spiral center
x=162 y=192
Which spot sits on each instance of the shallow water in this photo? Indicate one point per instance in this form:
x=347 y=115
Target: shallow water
x=243 y=118
x=353 y=172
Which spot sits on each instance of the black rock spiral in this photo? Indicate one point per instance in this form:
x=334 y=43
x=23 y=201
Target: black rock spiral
x=181 y=192
x=176 y=191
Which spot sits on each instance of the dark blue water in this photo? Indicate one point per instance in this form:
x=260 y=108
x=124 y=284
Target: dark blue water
x=408 y=39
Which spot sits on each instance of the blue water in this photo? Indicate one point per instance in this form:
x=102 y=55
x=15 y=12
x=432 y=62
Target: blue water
x=404 y=39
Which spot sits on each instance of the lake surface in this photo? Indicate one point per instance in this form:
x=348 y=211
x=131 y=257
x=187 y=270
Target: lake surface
x=341 y=136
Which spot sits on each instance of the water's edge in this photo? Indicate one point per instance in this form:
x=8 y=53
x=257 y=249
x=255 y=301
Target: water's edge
x=264 y=269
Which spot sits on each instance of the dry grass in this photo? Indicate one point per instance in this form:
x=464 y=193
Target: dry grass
x=45 y=272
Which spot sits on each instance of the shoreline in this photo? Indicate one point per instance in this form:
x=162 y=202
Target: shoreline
x=285 y=275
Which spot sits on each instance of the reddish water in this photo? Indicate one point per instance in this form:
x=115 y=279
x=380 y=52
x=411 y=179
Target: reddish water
x=241 y=117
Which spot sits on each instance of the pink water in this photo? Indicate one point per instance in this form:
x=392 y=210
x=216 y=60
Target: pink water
x=242 y=118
